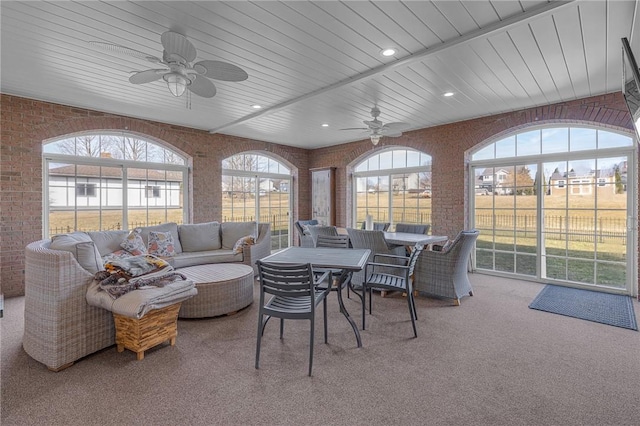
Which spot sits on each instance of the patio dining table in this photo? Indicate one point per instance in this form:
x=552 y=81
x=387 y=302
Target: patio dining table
x=347 y=260
x=410 y=239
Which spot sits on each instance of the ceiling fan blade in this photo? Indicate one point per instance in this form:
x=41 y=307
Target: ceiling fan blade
x=396 y=126
x=219 y=70
x=175 y=43
x=147 y=76
x=375 y=124
x=356 y=128
x=116 y=48
x=392 y=134
x=201 y=86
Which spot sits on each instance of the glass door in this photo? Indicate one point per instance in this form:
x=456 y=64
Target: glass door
x=585 y=214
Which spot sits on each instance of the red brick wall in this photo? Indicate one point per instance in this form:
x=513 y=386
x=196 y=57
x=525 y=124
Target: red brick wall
x=448 y=145
x=25 y=123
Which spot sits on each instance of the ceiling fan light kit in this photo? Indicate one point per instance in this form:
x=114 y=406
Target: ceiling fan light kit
x=177 y=83
x=377 y=129
x=179 y=74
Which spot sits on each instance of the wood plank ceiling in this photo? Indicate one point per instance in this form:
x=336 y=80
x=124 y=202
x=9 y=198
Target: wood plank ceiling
x=311 y=63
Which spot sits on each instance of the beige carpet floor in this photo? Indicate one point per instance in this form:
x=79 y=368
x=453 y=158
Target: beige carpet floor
x=490 y=361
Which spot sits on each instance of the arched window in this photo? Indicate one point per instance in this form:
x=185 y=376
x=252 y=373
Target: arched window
x=106 y=180
x=552 y=204
x=393 y=186
x=257 y=187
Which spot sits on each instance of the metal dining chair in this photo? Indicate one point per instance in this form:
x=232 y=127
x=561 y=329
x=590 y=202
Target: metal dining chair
x=413 y=228
x=331 y=241
x=295 y=295
x=377 y=226
x=380 y=277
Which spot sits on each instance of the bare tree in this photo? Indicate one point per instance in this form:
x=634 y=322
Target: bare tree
x=84 y=146
x=237 y=186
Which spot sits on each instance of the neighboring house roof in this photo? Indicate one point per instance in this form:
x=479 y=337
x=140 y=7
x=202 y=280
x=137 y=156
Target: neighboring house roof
x=114 y=172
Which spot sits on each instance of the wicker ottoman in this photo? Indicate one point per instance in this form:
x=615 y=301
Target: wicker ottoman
x=138 y=335
x=223 y=288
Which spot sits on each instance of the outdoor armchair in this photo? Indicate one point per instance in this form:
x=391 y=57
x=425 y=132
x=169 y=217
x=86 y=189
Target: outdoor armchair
x=444 y=273
x=302 y=226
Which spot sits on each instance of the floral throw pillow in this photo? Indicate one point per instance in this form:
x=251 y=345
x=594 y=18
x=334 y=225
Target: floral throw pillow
x=161 y=244
x=242 y=242
x=134 y=244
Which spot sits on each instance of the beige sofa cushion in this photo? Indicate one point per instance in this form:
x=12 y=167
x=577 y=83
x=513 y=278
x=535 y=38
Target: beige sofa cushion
x=108 y=241
x=165 y=227
x=82 y=247
x=233 y=231
x=185 y=259
x=200 y=236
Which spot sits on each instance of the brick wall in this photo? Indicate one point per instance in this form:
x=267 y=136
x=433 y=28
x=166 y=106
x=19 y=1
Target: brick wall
x=449 y=144
x=25 y=123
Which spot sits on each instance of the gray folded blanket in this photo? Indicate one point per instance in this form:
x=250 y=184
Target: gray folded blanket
x=138 y=302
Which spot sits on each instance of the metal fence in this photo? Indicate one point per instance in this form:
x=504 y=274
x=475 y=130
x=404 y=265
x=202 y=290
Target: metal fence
x=399 y=216
x=558 y=227
x=115 y=227
x=279 y=226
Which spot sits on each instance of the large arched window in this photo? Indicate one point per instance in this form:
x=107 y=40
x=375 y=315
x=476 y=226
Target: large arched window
x=393 y=186
x=553 y=204
x=257 y=187
x=106 y=180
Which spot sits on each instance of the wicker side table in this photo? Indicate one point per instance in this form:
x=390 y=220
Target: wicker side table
x=155 y=327
x=223 y=289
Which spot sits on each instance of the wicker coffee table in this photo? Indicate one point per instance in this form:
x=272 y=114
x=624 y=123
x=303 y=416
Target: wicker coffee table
x=223 y=289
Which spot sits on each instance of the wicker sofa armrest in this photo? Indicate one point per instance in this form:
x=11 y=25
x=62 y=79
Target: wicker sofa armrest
x=59 y=325
x=261 y=248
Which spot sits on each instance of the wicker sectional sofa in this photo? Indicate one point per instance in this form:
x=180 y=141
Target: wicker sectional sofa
x=60 y=327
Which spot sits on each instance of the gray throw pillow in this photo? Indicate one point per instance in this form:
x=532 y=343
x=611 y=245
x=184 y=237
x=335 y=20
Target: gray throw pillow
x=233 y=231
x=200 y=236
x=107 y=242
x=82 y=247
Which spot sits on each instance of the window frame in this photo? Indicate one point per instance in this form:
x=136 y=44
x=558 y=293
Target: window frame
x=387 y=173
x=48 y=157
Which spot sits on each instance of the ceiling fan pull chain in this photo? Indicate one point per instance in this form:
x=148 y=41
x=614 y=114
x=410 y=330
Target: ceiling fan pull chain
x=188 y=99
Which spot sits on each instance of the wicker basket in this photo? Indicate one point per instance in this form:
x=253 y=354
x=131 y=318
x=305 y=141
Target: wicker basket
x=155 y=327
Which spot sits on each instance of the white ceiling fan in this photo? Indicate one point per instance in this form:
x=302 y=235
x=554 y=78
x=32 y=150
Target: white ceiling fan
x=177 y=71
x=377 y=129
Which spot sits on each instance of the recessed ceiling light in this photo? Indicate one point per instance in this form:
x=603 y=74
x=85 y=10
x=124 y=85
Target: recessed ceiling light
x=325 y=125
x=447 y=94
x=388 y=52
x=256 y=106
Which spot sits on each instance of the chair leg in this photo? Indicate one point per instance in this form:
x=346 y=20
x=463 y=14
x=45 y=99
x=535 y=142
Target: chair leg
x=370 y=300
x=415 y=311
x=311 y=336
x=364 y=309
x=413 y=314
x=324 y=303
x=260 y=331
x=456 y=302
x=281 y=327
x=470 y=292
